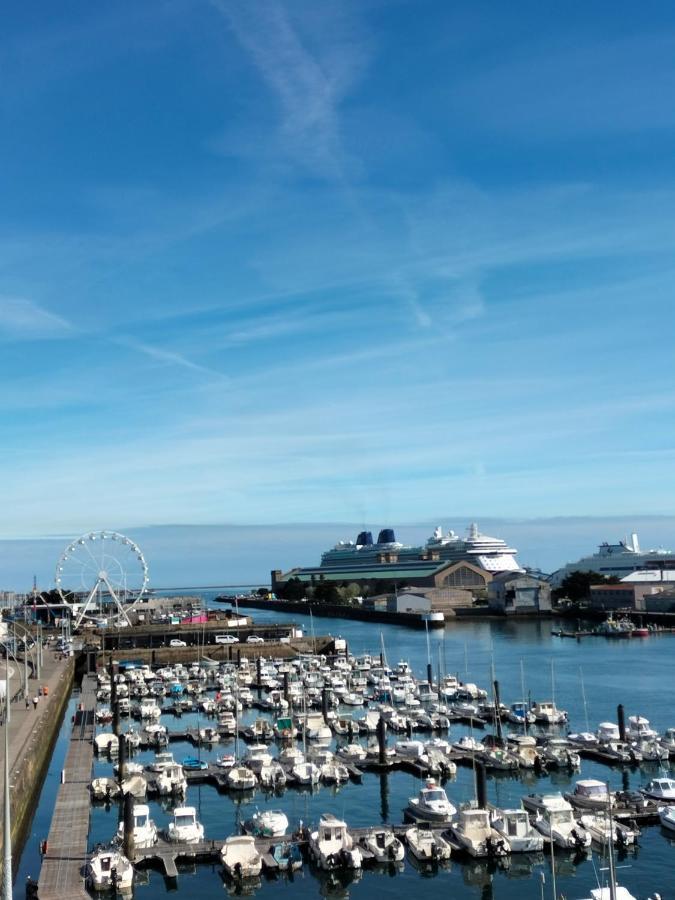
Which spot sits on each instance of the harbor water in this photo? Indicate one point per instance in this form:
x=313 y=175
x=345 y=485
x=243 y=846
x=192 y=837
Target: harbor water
x=637 y=673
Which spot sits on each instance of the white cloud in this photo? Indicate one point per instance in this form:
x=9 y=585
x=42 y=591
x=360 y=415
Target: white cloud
x=22 y=319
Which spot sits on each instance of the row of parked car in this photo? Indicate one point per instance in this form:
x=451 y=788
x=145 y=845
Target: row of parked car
x=221 y=639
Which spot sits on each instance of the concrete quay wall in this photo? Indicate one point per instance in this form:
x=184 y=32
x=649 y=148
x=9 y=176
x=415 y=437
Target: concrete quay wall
x=336 y=611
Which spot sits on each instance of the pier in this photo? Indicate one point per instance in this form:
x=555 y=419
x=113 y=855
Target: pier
x=62 y=873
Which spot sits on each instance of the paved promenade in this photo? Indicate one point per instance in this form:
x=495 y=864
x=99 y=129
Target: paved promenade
x=29 y=726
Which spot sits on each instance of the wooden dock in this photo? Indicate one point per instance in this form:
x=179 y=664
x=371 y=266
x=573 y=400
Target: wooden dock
x=62 y=872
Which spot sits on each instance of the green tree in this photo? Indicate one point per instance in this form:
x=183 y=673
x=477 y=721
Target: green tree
x=577 y=585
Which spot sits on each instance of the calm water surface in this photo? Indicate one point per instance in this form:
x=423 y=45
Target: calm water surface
x=636 y=672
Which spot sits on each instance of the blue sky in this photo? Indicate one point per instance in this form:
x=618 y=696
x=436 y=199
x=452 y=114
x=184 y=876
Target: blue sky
x=315 y=262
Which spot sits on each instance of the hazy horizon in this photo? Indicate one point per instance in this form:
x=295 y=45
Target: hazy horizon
x=202 y=555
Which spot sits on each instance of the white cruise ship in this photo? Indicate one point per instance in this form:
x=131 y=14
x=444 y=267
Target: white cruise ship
x=619 y=560
x=489 y=553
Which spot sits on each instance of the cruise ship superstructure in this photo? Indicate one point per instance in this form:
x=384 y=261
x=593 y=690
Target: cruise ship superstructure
x=488 y=553
x=619 y=560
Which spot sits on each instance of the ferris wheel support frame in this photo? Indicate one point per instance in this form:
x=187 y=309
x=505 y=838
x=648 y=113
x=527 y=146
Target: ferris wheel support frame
x=101 y=580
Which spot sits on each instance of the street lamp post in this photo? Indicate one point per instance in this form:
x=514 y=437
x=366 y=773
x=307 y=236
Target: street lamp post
x=7 y=823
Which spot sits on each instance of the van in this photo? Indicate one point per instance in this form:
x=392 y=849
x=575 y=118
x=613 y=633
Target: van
x=226 y=639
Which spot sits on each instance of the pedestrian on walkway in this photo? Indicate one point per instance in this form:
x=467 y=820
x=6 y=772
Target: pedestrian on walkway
x=27 y=703
x=35 y=702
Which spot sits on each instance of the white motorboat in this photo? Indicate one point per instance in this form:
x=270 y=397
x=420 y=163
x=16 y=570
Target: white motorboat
x=106 y=743
x=291 y=756
x=667 y=740
x=171 y=781
x=332 y=846
x=163 y=760
x=432 y=804
x=650 y=749
x=548 y=713
x=149 y=708
x=226 y=761
x=209 y=735
x=638 y=728
x=583 y=739
x=185 y=828
x=497 y=758
x=468 y=744
x=306 y=773
x=660 y=789
x=556 y=821
x=334 y=773
x=589 y=794
x=104 y=789
x=608 y=733
x=524 y=749
x=414 y=750
x=268 y=823
x=240 y=778
x=513 y=825
x=597 y=825
x=145 y=830
x=427 y=845
x=605 y=893
x=240 y=857
x=110 y=870
x=667 y=817
x=558 y=752
x=257 y=756
x=135 y=785
x=272 y=776
x=352 y=753
x=473 y=831
x=384 y=845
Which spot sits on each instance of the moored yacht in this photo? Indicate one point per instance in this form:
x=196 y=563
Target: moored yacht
x=332 y=846
x=109 y=869
x=473 y=831
x=513 y=825
x=431 y=804
x=185 y=828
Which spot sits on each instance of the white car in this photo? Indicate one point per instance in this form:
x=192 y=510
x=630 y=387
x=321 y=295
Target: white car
x=226 y=639
x=175 y=642
x=255 y=639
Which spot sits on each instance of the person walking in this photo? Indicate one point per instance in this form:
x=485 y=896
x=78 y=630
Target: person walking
x=35 y=702
x=27 y=703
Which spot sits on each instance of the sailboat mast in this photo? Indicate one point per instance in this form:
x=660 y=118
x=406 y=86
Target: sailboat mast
x=583 y=697
x=612 y=871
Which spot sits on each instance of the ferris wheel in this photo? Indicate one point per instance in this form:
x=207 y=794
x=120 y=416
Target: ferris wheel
x=101 y=574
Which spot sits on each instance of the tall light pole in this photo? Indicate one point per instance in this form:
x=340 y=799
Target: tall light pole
x=7 y=824
x=7 y=694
